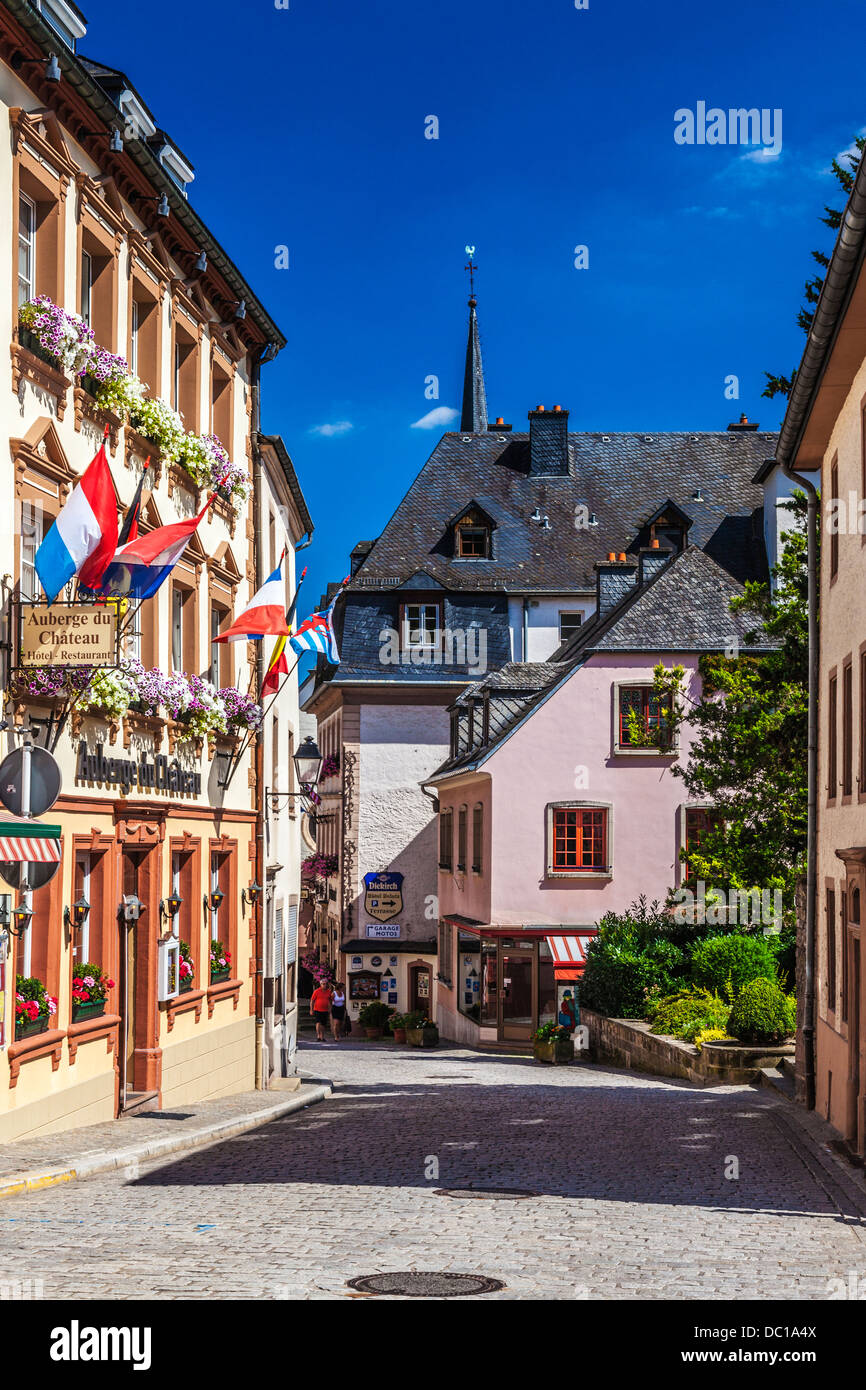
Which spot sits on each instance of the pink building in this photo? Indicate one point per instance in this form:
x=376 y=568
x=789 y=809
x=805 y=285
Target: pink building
x=551 y=811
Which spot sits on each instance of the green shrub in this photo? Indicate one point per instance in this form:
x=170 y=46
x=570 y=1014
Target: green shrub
x=709 y=1035
x=763 y=1013
x=688 y=1012
x=783 y=944
x=631 y=961
x=732 y=957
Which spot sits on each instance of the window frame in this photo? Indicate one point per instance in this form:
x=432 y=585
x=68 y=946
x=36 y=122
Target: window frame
x=478 y=837
x=476 y=528
x=24 y=198
x=462 y=837
x=832 y=735
x=446 y=817
x=707 y=809
x=578 y=873
x=434 y=647
x=85 y=286
x=569 y=613
x=632 y=749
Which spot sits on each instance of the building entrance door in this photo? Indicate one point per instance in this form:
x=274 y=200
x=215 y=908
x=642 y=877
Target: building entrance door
x=516 y=995
x=419 y=992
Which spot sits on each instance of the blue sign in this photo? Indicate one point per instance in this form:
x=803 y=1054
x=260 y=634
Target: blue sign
x=383 y=896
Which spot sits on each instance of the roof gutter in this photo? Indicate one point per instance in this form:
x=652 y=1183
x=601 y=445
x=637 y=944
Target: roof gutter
x=102 y=105
x=839 y=284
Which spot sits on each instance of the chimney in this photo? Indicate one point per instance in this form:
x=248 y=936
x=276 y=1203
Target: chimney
x=742 y=426
x=548 y=442
x=498 y=427
x=614 y=578
x=651 y=558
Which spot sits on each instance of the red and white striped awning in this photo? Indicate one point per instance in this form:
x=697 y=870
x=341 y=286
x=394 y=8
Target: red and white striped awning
x=25 y=841
x=569 y=954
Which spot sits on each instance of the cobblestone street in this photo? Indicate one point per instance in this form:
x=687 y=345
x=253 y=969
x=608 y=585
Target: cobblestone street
x=629 y=1171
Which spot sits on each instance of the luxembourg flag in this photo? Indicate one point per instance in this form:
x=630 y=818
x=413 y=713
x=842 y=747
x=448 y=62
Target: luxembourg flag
x=316 y=634
x=142 y=565
x=266 y=613
x=84 y=537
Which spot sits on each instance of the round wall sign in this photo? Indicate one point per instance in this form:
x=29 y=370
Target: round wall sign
x=45 y=781
x=375 y=960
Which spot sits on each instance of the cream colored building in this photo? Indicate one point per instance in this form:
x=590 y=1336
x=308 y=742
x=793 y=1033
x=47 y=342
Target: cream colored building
x=95 y=214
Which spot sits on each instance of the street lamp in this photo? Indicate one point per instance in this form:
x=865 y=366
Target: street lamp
x=22 y=916
x=308 y=763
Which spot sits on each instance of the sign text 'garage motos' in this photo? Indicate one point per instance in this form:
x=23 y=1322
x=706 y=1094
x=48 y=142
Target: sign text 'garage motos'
x=149 y=774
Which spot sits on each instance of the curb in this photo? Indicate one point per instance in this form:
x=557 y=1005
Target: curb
x=104 y=1162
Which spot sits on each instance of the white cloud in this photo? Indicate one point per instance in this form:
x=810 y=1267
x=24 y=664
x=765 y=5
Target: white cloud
x=435 y=419
x=329 y=431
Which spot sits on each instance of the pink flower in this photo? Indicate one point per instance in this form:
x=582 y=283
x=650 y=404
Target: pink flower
x=89 y=981
x=52 y=1005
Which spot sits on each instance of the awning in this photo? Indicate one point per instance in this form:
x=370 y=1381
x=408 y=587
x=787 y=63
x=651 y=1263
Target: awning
x=569 y=954
x=28 y=842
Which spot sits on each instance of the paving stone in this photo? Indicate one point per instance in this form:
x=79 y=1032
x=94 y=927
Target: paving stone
x=632 y=1202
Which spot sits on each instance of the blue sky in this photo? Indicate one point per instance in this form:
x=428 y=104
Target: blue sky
x=306 y=127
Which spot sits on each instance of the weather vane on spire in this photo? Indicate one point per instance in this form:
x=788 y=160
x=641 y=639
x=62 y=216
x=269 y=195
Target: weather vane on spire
x=471 y=267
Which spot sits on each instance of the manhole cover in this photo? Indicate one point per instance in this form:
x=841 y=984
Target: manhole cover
x=492 y=1194
x=425 y=1284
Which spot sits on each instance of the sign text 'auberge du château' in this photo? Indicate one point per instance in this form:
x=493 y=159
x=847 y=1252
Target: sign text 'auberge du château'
x=157 y=774
x=67 y=634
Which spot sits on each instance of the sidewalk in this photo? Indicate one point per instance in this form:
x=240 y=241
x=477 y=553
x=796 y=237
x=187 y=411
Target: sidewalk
x=31 y=1163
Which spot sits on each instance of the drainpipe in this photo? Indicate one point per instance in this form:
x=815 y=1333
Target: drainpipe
x=525 y=627
x=812 y=816
x=261 y=1081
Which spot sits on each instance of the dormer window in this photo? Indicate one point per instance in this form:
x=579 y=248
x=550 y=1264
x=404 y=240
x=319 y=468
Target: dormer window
x=473 y=534
x=473 y=542
x=66 y=21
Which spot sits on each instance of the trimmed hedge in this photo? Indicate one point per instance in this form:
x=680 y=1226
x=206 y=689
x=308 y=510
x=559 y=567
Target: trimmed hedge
x=732 y=957
x=689 y=1012
x=763 y=1013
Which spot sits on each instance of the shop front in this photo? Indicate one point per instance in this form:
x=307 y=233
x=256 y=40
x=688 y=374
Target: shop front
x=501 y=984
x=400 y=974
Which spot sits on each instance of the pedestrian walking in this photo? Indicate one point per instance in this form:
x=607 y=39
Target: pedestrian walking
x=338 y=1010
x=320 y=1008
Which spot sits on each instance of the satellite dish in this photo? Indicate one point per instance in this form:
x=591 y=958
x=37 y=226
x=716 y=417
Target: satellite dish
x=45 y=782
x=37 y=875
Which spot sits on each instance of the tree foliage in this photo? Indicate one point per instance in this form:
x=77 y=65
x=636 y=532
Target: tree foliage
x=748 y=757
x=783 y=385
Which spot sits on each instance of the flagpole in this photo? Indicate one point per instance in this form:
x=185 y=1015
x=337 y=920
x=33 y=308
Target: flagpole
x=248 y=737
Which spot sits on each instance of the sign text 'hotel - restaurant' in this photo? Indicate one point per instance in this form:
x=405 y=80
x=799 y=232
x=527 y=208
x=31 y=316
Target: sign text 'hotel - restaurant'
x=157 y=774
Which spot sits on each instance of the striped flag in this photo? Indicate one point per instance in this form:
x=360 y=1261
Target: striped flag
x=278 y=665
x=83 y=538
x=141 y=566
x=263 y=614
x=316 y=634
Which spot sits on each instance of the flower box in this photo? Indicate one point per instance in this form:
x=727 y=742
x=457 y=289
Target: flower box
x=31 y=1027
x=94 y=1009
x=422 y=1037
x=186 y=985
x=29 y=340
x=556 y=1051
x=218 y=975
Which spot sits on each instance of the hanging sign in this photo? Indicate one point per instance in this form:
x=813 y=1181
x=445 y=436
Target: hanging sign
x=68 y=634
x=383 y=896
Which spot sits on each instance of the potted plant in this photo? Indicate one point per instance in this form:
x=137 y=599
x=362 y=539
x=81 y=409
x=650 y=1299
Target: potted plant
x=373 y=1018
x=552 y=1042
x=421 y=1031
x=397 y=1024
x=90 y=986
x=34 y=1007
x=187 y=968
x=220 y=961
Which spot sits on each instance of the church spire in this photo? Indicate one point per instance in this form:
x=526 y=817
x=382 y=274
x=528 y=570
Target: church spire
x=474 y=417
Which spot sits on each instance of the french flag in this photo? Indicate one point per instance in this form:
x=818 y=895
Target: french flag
x=265 y=613
x=142 y=565
x=84 y=537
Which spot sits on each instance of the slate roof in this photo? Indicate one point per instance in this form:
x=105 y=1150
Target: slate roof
x=684 y=608
x=622 y=478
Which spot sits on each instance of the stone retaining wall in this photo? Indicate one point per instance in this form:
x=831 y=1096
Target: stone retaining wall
x=628 y=1042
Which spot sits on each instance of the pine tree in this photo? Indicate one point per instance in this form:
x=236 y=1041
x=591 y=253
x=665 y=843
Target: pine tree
x=783 y=385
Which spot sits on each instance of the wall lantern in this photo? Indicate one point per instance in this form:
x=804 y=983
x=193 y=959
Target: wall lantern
x=76 y=915
x=308 y=763
x=131 y=907
x=251 y=894
x=170 y=906
x=215 y=900
x=22 y=916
